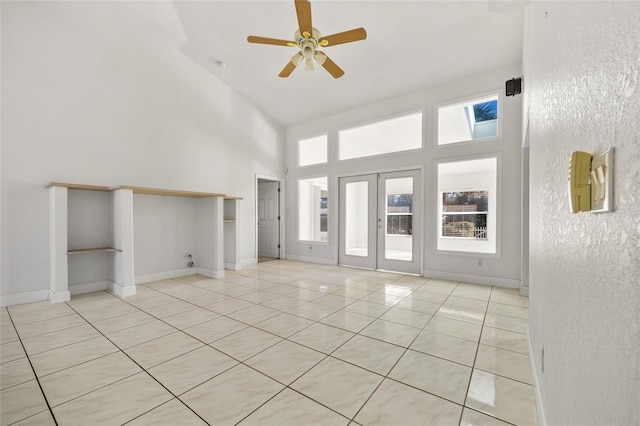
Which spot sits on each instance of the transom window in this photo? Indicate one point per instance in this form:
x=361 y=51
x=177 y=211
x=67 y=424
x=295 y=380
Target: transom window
x=469 y=120
x=312 y=151
x=383 y=137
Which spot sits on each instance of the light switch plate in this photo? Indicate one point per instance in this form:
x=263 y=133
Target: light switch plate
x=602 y=182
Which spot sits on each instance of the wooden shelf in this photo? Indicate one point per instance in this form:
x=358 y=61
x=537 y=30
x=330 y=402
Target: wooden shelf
x=143 y=190
x=94 y=250
x=170 y=192
x=82 y=187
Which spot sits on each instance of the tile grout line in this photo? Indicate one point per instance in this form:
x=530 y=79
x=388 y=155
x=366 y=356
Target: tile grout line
x=143 y=369
x=406 y=349
x=34 y=373
x=316 y=364
x=256 y=326
x=476 y=356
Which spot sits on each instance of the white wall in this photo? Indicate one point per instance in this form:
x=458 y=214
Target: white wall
x=94 y=93
x=90 y=225
x=164 y=231
x=582 y=87
x=503 y=270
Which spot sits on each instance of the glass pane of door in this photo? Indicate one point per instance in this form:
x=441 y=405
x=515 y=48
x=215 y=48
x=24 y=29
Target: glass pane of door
x=357 y=223
x=399 y=219
x=356 y=220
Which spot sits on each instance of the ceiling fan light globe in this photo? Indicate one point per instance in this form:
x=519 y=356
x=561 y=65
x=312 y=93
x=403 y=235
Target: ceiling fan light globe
x=320 y=57
x=297 y=58
x=308 y=66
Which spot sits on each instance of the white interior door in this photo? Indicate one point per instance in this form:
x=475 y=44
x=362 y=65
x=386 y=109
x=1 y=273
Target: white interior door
x=379 y=226
x=268 y=219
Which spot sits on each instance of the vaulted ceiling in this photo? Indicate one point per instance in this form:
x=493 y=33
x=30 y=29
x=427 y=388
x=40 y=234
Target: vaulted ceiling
x=410 y=45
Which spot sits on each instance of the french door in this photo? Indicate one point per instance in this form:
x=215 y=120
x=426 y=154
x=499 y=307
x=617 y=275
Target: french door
x=380 y=221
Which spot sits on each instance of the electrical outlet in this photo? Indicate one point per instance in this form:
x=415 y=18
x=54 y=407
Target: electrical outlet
x=188 y=256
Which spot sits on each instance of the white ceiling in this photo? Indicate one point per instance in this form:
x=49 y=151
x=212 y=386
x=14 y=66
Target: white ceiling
x=410 y=45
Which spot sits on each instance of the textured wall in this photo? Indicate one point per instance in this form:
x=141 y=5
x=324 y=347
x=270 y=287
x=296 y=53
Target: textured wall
x=582 y=72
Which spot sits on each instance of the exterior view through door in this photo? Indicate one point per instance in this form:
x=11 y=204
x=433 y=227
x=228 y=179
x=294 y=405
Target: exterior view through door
x=268 y=220
x=380 y=226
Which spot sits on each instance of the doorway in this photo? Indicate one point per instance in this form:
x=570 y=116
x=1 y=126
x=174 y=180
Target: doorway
x=380 y=221
x=268 y=214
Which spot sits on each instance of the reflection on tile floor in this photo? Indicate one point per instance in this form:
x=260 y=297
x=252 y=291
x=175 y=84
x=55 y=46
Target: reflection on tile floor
x=276 y=343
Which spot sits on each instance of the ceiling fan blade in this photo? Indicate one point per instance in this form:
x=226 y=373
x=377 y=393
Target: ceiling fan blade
x=328 y=64
x=267 y=40
x=287 y=70
x=303 y=10
x=344 y=37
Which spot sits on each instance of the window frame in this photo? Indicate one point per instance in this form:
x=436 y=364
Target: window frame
x=465 y=101
x=421 y=111
x=496 y=215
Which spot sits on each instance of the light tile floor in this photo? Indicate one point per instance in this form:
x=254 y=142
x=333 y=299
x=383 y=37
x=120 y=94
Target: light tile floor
x=277 y=343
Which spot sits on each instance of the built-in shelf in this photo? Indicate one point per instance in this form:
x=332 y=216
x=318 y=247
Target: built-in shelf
x=102 y=222
x=171 y=192
x=94 y=250
x=82 y=187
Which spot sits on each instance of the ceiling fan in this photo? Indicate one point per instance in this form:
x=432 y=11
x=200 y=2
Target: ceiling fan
x=308 y=39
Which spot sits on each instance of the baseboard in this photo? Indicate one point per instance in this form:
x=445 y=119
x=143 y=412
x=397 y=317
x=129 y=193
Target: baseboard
x=211 y=273
x=233 y=266
x=89 y=287
x=157 y=276
x=475 y=279
x=310 y=259
x=22 y=298
x=250 y=261
x=536 y=384
x=122 y=291
x=524 y=291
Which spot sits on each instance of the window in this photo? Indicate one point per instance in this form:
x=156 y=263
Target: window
x=467 y=206
x=313 y=204
x=464 y=214
x=467 y=121
x=383 y=137
x=399 y=214
x=312 y=151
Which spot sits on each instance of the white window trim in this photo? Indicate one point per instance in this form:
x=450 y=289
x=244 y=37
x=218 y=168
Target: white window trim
x=498 y=216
